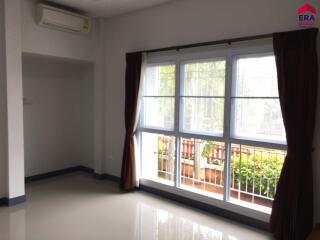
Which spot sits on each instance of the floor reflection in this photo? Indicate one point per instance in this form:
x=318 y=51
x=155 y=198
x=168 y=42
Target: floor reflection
x=13 y=225
x=159 y=224
x=78 y=207
x=169 y=225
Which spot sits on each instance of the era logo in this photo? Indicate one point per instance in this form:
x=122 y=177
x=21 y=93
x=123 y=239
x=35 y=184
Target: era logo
x=307 y=15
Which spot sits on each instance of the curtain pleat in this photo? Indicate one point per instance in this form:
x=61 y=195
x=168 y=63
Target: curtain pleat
x=132 y=91
x=297 y=68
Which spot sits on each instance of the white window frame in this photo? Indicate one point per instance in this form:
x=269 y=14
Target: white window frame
x=232 y=92
x=141 y=117
x=228 y=53
x=198 y=60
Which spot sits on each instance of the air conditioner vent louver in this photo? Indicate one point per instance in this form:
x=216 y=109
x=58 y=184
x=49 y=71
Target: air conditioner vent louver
x=59 y=19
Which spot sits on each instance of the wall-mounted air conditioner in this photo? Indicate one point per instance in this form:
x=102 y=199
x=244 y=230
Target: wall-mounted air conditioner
x=59 y=19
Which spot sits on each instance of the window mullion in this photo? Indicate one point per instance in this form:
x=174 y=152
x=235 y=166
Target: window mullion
x=177 y=124
x=227 y=118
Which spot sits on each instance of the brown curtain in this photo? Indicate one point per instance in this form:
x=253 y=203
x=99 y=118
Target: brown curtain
x=297 y=67
x=133 y=73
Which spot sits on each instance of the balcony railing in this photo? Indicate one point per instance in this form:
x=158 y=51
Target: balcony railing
x=254 y=171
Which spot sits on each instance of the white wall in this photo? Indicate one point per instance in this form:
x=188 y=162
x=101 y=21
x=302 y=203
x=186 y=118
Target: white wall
x=11 y=113
x=87 y=47
x=58 y=114
x=99 y=101
x=3 y=125
x=11 y=120
x=183 y=22
x=44 y=41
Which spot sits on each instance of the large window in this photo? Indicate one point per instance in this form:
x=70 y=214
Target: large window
x=256 y=111
x=159 y=97
x=213 y=126
x=202 y=96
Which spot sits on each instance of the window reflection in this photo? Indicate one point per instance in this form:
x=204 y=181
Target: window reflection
x=168 y=225
x=159 y=221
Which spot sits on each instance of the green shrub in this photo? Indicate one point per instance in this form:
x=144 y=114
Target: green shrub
x=260 y=168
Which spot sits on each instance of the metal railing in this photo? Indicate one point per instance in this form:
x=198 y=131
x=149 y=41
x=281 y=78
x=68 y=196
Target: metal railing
x=254 y=171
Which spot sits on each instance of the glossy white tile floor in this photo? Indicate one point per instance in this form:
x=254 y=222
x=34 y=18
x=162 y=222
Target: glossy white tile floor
x=76 y=207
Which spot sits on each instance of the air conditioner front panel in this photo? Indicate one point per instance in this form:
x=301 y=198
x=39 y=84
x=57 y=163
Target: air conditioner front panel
x=59 y=19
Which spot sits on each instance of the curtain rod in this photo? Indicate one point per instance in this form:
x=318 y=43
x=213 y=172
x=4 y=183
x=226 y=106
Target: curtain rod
x=194 y=45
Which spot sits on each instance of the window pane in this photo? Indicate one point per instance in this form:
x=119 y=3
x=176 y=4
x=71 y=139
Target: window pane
x=204 y=78
x=255 y=77
x=255 y=172
x=202 y=166
x=158 y=157
x=258 y=119
x=203 y=115
x=158 y=112
x=160 y=81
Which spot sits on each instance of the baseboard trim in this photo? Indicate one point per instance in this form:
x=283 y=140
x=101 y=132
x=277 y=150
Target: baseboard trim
x=2 y=201
x=12 y=201
x=106 y=176
x=16 y=200
x=58 y=173
x=103 y=176
x=208 y=208
x=38 y=177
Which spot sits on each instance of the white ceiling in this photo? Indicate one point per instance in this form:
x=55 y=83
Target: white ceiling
x=109 y=8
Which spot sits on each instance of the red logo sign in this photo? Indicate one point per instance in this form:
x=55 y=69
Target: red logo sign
x=307 y=15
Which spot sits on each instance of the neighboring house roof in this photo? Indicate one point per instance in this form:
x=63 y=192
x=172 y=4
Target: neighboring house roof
x=307 y=7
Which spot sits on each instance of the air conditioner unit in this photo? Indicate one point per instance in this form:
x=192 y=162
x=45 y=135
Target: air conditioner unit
x=59 y=19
